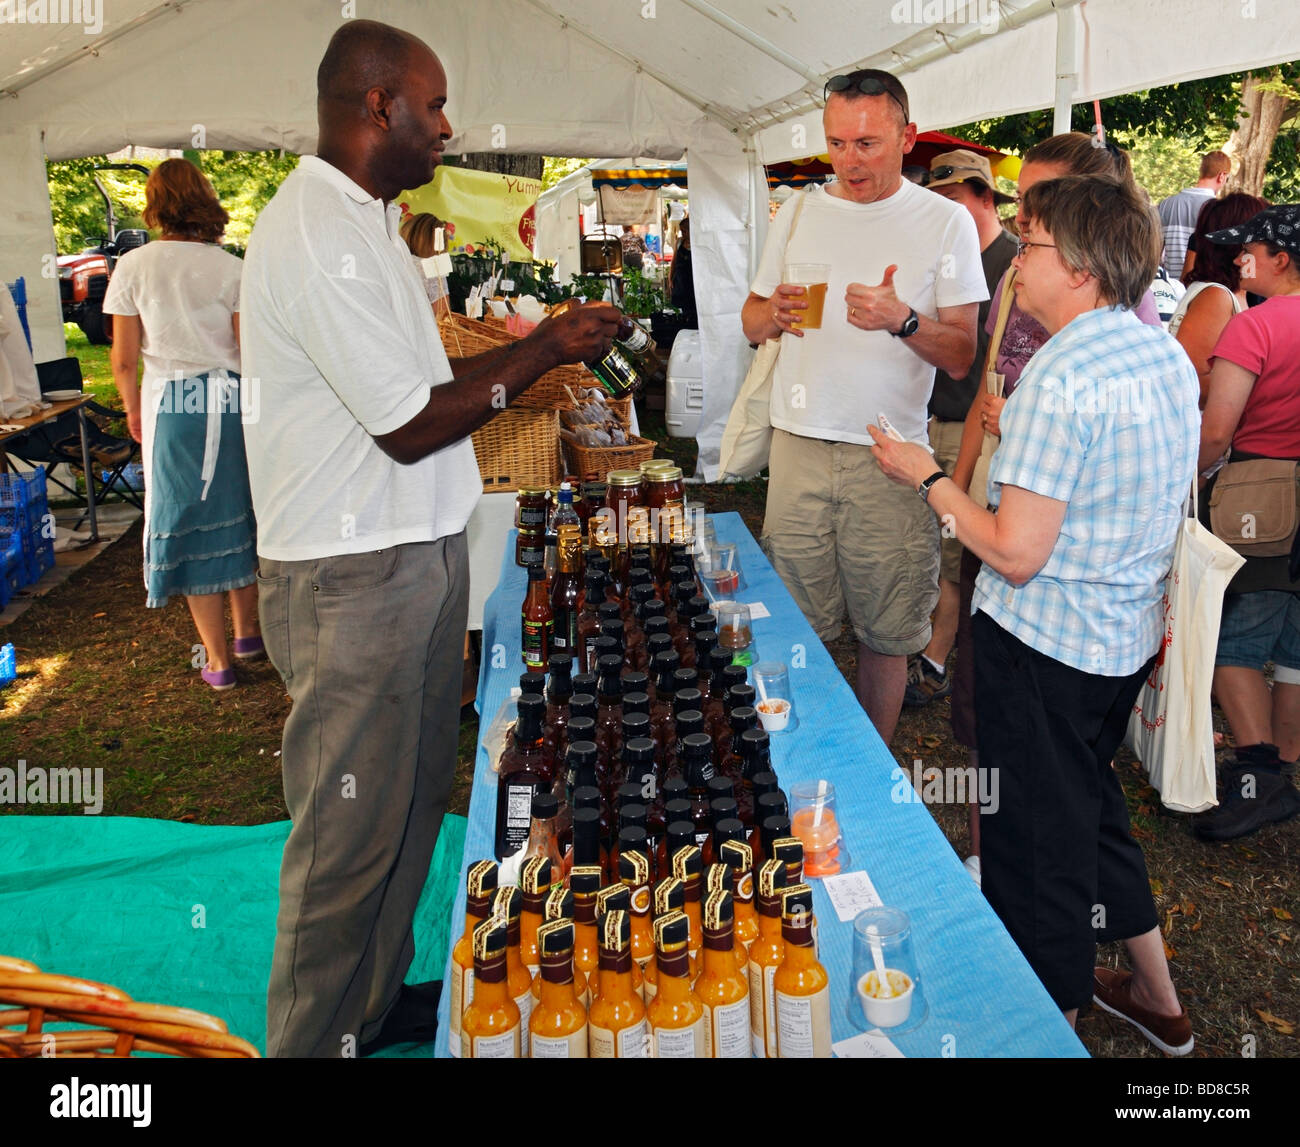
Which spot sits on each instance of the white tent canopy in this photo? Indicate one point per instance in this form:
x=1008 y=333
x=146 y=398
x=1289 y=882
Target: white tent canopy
x=730 y=83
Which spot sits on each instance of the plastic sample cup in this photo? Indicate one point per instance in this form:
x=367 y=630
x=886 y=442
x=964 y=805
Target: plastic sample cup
x=813 y=277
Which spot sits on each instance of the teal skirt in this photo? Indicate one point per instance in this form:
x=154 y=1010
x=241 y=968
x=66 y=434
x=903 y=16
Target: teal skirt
x=201 y=535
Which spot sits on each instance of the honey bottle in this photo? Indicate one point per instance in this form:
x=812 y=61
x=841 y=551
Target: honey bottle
x=616 y=1021
x=559 y=906
x=802 y=987
x=558 y=1026
x=722 y=987
x=766 y=954
x=506 y=905
x=489 y=1028
x=676 y=1015
x=480 y=884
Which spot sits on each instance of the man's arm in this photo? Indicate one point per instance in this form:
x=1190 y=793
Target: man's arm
x=947 y=342
x=769 y=317
x=484 y=385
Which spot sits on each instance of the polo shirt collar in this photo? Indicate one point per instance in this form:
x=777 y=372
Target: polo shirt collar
x=322 y=169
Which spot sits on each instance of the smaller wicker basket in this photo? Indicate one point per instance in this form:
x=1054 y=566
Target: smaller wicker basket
x=519 y=448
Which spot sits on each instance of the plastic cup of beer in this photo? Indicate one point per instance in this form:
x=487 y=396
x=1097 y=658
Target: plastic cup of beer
x=813 y=277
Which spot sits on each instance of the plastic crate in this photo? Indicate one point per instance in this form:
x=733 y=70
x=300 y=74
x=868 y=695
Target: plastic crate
x=13 y=569
x=38 y=555
x=23 y=501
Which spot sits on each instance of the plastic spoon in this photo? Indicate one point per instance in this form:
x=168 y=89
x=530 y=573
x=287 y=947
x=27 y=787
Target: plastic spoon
x=885 y=988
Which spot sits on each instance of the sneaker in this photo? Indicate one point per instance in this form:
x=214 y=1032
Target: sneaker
x=924 y=684
x=1111 y=990
x=1275 y=799
x=249 y=648
x=219 y=679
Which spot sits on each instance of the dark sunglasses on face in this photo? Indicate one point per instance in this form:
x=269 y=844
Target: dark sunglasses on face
x=868 y=86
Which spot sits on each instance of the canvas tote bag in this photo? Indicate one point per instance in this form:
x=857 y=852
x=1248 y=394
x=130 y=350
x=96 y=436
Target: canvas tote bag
x=747 y=439
x=995 y=382
x=1171 y=729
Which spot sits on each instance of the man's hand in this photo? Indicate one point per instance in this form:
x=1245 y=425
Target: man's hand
x=876 y=308
x=581 y=334
x=906 y=463
x=788 y=304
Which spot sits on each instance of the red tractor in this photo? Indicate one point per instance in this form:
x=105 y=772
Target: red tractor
x=83 y=278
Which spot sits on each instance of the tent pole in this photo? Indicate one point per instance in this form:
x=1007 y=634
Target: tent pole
x=1066 y=75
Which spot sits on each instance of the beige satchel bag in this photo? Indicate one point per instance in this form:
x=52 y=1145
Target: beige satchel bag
x=1253 y=507
x=979 y=482
x=747 y=439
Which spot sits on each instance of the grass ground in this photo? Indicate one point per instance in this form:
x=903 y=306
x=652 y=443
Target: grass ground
x=103 y=682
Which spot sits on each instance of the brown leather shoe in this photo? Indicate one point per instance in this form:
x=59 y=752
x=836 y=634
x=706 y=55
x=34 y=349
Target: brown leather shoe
x=1111 y=992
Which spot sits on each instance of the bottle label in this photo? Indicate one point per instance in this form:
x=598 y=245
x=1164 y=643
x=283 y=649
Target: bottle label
x=629 y=1043
x=560 y=1047
x=762 y=1009
x=524 y=1003
x=803 y=1025
x=519 y=811
x=503 y=1046
x=700 y=838
x=729 y=1030
x=680 y=1043
x=537 y=643
x=564 y=636
x=589 y=665
x=462 y=995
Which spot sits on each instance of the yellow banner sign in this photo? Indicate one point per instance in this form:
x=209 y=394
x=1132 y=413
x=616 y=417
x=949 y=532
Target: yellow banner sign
x=482 y=207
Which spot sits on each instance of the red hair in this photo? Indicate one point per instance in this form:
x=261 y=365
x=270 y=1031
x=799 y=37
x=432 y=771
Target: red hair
x=180 y=201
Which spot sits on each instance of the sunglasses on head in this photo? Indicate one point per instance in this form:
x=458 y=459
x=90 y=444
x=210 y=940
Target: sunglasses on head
x=868 y=86
x=947 y=170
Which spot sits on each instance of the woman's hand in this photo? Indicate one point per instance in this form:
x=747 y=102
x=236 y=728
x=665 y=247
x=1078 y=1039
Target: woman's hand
x=133 y=423
x=990 y=413
x=906 y=463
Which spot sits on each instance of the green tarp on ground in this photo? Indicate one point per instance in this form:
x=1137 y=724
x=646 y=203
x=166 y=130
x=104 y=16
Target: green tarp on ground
x=118 y=900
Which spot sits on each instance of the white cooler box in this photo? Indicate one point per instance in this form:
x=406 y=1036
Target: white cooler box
x=685 y=401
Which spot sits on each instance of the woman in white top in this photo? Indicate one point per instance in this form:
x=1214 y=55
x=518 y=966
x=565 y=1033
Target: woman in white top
x=1213 y=282
x=176 y=305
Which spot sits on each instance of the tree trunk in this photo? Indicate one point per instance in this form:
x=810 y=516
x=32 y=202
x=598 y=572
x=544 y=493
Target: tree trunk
x=1259 y=119
x=503 y=163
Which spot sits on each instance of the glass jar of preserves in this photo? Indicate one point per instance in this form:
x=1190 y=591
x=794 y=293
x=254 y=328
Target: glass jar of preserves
x=665 y=494
x=530 y=548
x=625 y=491
x=531 y=508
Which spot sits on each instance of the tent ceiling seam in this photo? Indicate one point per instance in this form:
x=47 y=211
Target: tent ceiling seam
x=754 y=39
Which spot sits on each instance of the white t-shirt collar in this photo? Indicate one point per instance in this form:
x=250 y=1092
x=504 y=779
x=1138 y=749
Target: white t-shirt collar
x=323 y=169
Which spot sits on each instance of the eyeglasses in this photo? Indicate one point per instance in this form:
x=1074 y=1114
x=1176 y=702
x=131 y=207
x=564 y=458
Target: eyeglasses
x=868 y=86
x=1022 y=245
x=947 y=170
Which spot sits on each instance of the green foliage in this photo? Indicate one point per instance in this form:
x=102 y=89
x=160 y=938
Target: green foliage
x=641 y=296
x=556 y=167
x=470 y=270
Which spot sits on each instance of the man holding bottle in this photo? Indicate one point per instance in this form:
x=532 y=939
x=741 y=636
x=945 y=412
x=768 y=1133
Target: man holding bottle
x=363 y=479
x=903 y=286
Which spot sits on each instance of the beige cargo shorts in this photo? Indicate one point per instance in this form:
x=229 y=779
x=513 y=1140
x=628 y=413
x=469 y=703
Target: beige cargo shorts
x=945 y=441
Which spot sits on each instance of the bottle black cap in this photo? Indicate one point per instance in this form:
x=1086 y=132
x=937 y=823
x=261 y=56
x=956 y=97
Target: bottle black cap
x=638 y=751
x=722 y=808
x=609 y=611
x=586 y=836
x=597 y=561
x=721 y=787
x=581 y=705
x=635 y=724
x=735 y=675
x=684 y=591
x=685 y=678
x=607 y=646
x=531 y=708
x=582 y=754
x=674 y=788
x=728 y=828
x=635 y=681
x=704 y=621
x=740 y=695
x=719 y=661
x=641 y=593
x=628 y=794
x=687 y=697
x=639 y=575
x=690 y=723
x=638 y=702
x=632 y=837
x=706 y=641
x=612 y=627
x=545 y=806
x=680 y=834
x=654 y=608
x=560 y=665
x=696 y=746
x=700 y=605
x=631 y=815
x=679 y=808
x=679 y=573
x=742 y=719
x=657 y=625
x=586 y=797
x=581 y=728
x=770 y=804
x=764 y=783
x=584 y=683
x=611 y=669
x=773 y=828
x=532 y=682
x=594 y=580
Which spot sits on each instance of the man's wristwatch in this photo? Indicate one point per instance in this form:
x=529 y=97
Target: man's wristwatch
x=924 y=488
x=909 y=325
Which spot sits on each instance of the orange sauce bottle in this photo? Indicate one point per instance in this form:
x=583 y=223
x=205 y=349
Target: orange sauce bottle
x=558 y=1026
x=718 y=878
x=559 y=906
x=790 y=850
x=584 y=883
x=687 y=869
x=535 y=882
x=480 y=884
x=766 y=955
x=616 y=898
x=802 y=987
x=677 y=1017
x=634 y=872
x=506 y=905
x=739 y=857
x=722 y=987
x=489 y=1029
x=616 y=1022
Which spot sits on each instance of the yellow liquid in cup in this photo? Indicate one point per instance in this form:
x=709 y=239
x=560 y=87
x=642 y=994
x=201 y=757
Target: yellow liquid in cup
x=811 y=319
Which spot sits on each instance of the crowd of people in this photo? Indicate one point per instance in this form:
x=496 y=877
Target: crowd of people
x=1044 y=360
x=340 y=509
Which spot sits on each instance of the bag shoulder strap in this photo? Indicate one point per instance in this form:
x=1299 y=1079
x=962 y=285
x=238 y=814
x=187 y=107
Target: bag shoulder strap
x=1000 y=327
x=794 y=222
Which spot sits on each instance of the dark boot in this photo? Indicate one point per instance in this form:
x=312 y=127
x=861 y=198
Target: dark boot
x=1255 y=794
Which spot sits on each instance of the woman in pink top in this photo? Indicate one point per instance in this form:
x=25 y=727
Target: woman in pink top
x=1253 y=406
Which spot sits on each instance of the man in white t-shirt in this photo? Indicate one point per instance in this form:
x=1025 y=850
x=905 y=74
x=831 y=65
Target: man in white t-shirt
x=904 y=286
x=363 y=479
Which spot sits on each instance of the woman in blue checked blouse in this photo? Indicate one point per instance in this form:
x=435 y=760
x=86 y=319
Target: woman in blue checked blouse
x=1088 y=489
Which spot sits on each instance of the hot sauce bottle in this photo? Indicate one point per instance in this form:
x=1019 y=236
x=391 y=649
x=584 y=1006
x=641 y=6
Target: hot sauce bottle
x=559 y=906
x=789 y=849
x=661 y=710
x=680 y=832
x=677 y=1017
x=526 y=768
x=538 y=620
x=559 y=691
x=742 y=719
x=617 y=898
x=489 y=1028
x=634 y=872
x=722 y=987
x=566 y=590
x=739 y=859
x=558 y=1027
x=755 y=758
x=584 y=883
x=506 y=905
x=802 y=987
x=687 y=869
x=535 y=883
x=616 y=1021
x=480 y=884
x=589 y=619
x=766 y=954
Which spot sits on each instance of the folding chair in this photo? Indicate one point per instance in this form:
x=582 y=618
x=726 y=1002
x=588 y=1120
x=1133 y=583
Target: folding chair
x=59 y=441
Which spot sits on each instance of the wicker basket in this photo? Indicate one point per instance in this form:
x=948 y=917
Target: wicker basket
x=464 y=337
x=519 y=448
x=592 y=463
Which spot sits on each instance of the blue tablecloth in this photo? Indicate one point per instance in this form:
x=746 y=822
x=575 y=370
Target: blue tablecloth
x=983 y=999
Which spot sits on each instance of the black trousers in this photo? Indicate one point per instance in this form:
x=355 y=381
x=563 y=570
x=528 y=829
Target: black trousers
x=1060 y=867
